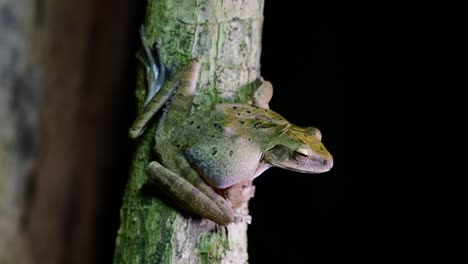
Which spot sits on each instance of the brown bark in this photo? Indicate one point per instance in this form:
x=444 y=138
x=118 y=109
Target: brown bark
x=85 y=49
x=18 y=92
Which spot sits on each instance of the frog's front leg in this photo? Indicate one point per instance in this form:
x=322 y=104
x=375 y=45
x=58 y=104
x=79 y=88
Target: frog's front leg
x=208 y=205
x=240 y=193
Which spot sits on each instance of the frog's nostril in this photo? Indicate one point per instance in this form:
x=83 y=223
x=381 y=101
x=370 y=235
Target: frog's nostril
x=328 y=163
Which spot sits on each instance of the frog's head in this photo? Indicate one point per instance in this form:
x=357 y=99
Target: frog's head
x=300 y=149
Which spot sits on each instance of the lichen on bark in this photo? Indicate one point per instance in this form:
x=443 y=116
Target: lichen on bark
x=225 y=36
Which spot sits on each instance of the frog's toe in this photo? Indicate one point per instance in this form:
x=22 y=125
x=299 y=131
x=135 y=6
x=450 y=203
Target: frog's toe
x=242 y=218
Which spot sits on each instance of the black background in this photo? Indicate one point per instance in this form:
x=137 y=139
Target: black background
x=401 y=201
x=303 y=218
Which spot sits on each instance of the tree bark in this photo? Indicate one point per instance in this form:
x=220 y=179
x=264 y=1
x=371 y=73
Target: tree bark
x=226 y=36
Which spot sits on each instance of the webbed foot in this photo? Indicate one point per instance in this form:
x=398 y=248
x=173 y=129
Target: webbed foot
x=156 y=70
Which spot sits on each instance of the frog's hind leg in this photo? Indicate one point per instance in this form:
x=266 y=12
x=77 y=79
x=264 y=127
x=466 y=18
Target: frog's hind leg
x=189 y=196
x=220 y=202
x=159 y=90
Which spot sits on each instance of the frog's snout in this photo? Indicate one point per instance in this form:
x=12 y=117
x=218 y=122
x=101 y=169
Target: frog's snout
x=327 y=164
x=324 y=163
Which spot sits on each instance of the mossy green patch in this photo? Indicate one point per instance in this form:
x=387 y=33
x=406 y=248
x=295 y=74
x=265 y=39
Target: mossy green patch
x=212 y=246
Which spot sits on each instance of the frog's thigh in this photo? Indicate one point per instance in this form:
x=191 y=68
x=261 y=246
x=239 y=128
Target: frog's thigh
x=188 y=196
x=196 y=180
x=227 y=207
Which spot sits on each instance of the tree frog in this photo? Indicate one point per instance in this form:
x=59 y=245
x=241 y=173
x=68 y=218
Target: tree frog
x=208 y=159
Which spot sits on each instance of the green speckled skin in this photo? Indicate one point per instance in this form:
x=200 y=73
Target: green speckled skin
x=208 y=158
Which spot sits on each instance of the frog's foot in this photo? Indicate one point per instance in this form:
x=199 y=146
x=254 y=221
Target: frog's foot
x=189 y=197
x=159 y=90
x=171 y=70
x=239 y=193
x=242 y=218
x=161 y=97
x=156 y=71
x=263 y=94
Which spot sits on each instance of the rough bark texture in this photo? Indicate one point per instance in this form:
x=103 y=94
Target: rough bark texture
x=225 y=35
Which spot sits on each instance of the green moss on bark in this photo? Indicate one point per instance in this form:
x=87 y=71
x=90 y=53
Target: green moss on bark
x=225 y=35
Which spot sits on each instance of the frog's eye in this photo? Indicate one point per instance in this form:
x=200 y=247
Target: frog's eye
x=301 y=154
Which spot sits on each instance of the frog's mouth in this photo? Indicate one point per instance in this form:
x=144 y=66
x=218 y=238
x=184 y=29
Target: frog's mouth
x=311 y=165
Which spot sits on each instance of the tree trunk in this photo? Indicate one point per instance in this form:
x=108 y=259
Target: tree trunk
x=226 y=36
